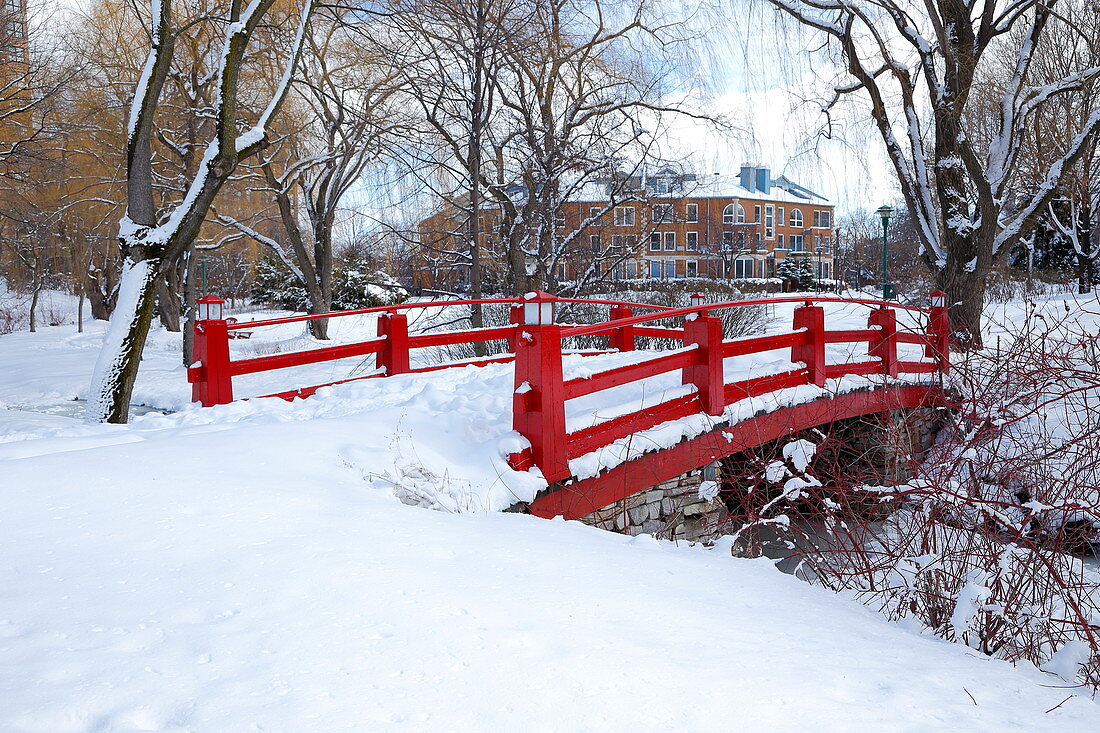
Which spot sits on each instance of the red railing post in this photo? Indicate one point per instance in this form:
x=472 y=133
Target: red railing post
x=706 y=373
x=621 y=339
x=515 y=317
x=210 y=378
x=812 y=352
x=538 y=404
x=938 y=331
x=394 y=356
x=885 y=346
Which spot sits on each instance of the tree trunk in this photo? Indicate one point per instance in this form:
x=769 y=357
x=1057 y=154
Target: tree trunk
x=168 y=300
x=188 y=320
x=34 y=307
x=320 y=292
x=117 y=366
x=963 y=279
x=319 y=303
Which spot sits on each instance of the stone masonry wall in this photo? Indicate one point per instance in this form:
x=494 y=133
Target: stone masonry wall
x=684 y=508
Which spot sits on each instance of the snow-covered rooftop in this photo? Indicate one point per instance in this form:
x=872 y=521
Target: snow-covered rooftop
x=715 y=185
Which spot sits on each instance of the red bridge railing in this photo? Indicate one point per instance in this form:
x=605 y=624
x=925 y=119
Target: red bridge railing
x=536 y=339
x=211 y=377
x=541 y=392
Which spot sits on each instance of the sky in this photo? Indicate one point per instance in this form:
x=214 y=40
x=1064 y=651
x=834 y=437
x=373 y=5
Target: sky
x=756 y=70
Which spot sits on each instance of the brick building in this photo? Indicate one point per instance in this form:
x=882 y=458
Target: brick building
x=669 y=225
x=13 y=35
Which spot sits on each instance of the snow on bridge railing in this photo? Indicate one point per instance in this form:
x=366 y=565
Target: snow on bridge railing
x=212 y=374
x=541 y=391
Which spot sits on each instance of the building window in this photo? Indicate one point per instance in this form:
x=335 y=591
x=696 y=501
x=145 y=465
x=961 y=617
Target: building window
x=826 y=218
x=727 y=241
x=769 y=222
x=826 y=244
x=561 y=272
x=796 y=243
x=13 y=6
x=594 y=212
x=779 y=242
x=662 y=213
x=624 y=216
x=594 y=242
x=824 y=274
x=654 y=269
x=670 y=269
x=655 y=242
x=817 y=243
x=728 y=214
x=15 y=29
x=782 y=220
x=692 y=213
x=796 y=218
x=692 y=243
x=742 y=269
x=670 y=241
x=817 y=218
x=618 y=241
x=661 y=184
x=740 y=214
x=692 y=268
x=756 y=214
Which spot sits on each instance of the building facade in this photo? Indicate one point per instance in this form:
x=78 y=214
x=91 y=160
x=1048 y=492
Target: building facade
x=687 y=225
x=669 y=225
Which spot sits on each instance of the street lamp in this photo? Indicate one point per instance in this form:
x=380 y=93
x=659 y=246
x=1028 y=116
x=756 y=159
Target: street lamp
x=885 y=212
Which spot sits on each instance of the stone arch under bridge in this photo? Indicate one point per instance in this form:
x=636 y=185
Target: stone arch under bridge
x=700 y=504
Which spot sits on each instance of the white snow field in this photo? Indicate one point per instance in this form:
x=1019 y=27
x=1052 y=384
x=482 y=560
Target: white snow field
x=250 y=567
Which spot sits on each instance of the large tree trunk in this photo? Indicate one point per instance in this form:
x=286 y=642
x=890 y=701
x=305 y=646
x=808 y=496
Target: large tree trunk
x=117 y=366
x=964 y=279
x=320 y=287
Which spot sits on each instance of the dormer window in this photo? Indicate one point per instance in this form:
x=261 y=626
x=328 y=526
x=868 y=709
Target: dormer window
x=661 y=184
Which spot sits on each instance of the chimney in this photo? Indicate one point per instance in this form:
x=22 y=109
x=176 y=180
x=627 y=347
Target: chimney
x=748 y=177
x=764 y=180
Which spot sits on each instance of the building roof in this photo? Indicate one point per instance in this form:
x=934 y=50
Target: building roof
x=781 y=190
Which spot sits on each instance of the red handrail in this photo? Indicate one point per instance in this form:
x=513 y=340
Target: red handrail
x=673 y=312
x=426 y=304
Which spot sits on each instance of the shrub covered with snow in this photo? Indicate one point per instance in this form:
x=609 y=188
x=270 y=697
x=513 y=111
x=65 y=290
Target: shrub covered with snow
x=354 y=285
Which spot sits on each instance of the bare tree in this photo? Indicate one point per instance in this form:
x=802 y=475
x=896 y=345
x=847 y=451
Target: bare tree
x=345 y=97
x=917 y=64
x=152 y=240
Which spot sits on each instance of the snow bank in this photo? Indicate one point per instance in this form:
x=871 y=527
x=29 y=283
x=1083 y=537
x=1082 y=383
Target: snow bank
x=236 y=578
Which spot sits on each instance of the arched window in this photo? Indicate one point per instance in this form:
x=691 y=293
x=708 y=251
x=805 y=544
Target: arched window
x=796 y=218
x=733 y=214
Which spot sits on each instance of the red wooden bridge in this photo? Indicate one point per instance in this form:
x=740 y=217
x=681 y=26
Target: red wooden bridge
x=541 y=391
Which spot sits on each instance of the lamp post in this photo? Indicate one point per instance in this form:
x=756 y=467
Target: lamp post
x=885 y=212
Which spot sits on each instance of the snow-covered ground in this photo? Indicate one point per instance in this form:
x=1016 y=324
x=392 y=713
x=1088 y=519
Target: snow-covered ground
x=249 y=567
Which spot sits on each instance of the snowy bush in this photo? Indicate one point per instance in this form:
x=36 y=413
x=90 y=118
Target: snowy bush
x=983 y=544
x=353 y=286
